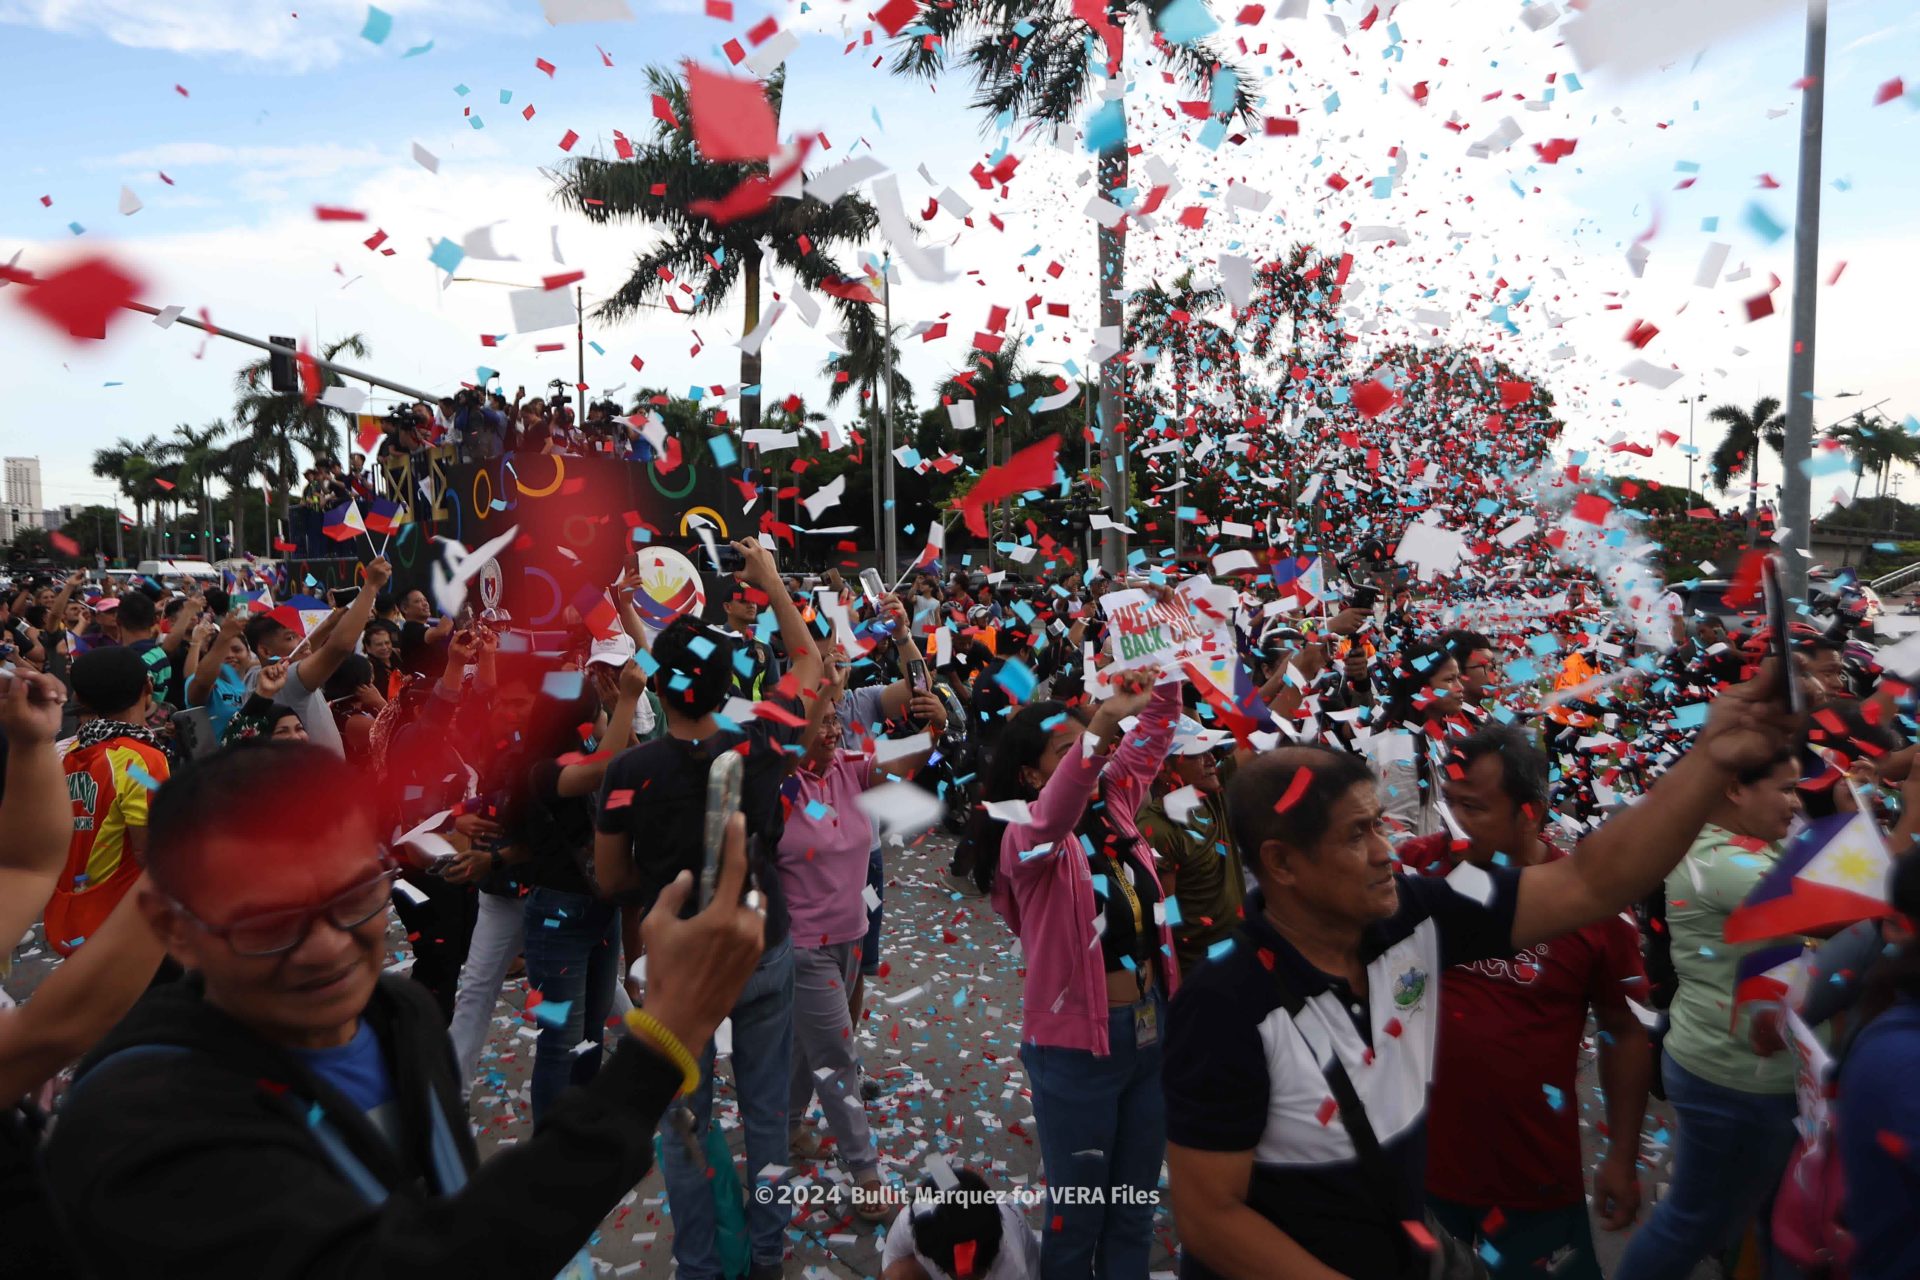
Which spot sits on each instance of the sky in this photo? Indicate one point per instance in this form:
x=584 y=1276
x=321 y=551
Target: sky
x=257 y=113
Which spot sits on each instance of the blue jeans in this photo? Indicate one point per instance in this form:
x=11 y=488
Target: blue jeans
x=762 y=1070
x=1102 y=1124
x=1728 y=1156
x=573 y=954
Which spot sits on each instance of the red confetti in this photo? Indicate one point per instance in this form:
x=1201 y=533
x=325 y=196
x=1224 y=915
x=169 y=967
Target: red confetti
x=1759 y=307
x=81 y=298
x=1592 y=508
x=545 y=66
x=721 y=9
x=62 y=543
x=1371 y=399
x=1887 y=92
x=562 y=280
x=731 y=118
x=327 y=213
x=1553 y=149
x=895 y=14
x=1296 y=790
x=1327 y=1110
x=568 y=139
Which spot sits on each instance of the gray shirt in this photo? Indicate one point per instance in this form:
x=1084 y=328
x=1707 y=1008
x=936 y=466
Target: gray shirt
x=310 y=705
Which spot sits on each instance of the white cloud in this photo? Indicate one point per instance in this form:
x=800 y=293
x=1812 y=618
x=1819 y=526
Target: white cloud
x=262 y=30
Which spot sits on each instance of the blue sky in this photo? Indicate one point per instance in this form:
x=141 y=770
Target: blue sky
x=284 y=113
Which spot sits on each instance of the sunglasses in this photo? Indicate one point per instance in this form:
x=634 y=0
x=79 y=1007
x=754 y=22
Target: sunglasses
x=278 y=932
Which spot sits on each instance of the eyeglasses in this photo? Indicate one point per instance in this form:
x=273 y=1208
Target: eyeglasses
x=278 y=932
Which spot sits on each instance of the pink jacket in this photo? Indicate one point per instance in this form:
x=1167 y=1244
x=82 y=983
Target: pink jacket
x=1048 y=899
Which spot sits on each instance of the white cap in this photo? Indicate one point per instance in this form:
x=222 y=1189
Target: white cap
x=615 y=651
x=1190 y=739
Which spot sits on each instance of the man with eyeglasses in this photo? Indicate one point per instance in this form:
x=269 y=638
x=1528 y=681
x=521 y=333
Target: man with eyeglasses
x=287 y=1110
x=1479 y=670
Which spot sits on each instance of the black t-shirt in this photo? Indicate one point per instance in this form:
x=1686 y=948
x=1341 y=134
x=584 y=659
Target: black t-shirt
x=656 y=795
x=555 y=830
x=1239 y=1074
x=418 y=655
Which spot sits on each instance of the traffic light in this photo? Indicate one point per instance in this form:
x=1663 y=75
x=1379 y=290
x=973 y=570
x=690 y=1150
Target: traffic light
x=281 y=374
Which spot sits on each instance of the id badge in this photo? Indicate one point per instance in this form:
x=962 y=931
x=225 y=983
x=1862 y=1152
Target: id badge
x=1146 y=1026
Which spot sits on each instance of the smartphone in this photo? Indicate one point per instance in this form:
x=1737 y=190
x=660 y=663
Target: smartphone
x=918 y=677
x=723 y=801
x=344 y=596
x=727 y=558
x=1780 y=639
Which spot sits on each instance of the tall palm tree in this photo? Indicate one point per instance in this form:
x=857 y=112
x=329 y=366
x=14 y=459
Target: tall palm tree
x=1740 y=449
x=121 y=464
x=1167 y=321
x=1002 y=387
x=698 y=262
x=1038 y=60
x=268 y=427
x=1298 y=288
x=197 y=454
x=862 y=368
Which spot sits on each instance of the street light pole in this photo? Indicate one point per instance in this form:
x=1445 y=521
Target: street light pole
x=1796 y=488
x=889 y=517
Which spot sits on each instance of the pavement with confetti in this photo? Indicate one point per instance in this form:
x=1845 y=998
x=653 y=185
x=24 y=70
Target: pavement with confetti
x=941 y=1035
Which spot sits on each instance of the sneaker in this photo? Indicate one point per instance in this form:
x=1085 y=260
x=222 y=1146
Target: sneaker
x=803 y=1142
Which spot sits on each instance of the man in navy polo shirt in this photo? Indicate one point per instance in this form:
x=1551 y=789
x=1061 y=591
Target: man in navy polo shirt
x=1264 y=1176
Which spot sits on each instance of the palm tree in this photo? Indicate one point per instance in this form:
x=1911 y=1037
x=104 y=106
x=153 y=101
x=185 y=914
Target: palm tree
x=1002 y=387
x=1875 y=444
x=268 y=426
x=1036 y=61
x=1740 y=448
x=1168 y=321
x=1299 y=287
x=663 y=182
x=121 y=465
x=197 y=454
x=863 y=367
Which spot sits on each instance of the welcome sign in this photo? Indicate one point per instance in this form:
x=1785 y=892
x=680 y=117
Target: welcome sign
x=1192 y=624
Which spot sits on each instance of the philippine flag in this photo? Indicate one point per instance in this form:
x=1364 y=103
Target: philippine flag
x=384 y=516
x=1833 y=873
x=1301 y=578
x=344 y=522
x=935 y=550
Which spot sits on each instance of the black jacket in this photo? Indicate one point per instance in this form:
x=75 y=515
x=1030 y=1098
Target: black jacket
x=190 y=1146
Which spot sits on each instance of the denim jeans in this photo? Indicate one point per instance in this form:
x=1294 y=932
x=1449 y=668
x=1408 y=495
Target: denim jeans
x=1728 y=1155
x=762 y=1064
x=496 y=941
x=573 y=955
x=1102 y=1124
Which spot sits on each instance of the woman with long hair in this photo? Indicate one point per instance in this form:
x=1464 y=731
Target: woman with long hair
x=1076 y=882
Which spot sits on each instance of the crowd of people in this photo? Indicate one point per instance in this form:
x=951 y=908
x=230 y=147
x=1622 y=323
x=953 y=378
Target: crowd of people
x=1316 y=950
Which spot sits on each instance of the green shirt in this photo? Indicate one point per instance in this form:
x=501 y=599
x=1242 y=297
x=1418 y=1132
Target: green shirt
x=1715 y=877
x=1208 y=884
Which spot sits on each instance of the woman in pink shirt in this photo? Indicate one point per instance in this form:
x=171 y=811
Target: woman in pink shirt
x=823 y=871
x=1076 y=882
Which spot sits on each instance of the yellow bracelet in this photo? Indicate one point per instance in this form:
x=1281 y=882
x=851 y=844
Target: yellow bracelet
x=639 y=1021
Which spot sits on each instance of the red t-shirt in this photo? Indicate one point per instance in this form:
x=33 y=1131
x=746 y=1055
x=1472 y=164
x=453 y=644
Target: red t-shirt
x=1511 y=1029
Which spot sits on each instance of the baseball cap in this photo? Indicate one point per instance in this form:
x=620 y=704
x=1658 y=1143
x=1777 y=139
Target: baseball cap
x=1190 y=738
x=614 y=651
